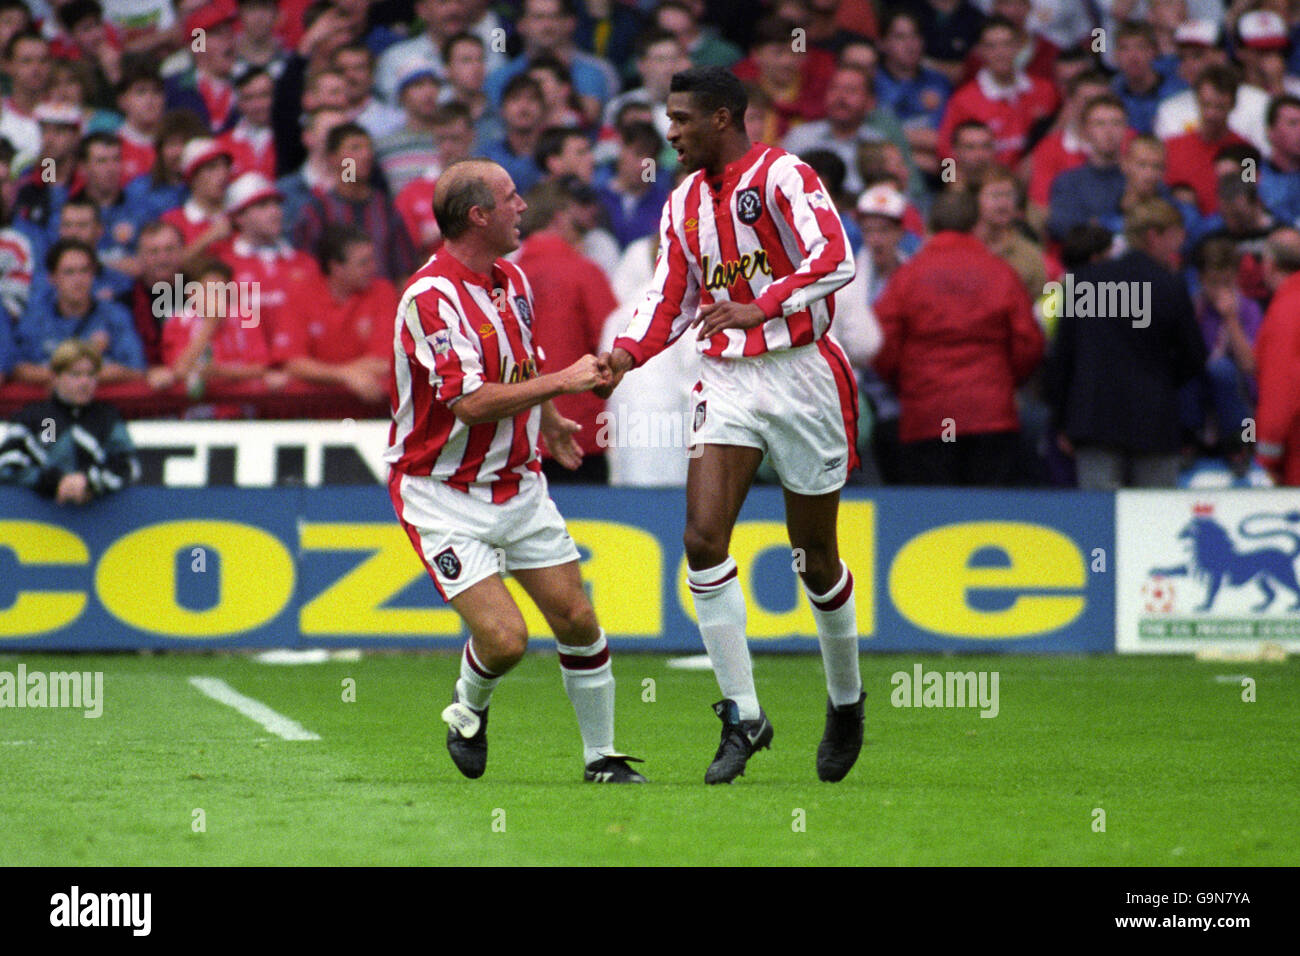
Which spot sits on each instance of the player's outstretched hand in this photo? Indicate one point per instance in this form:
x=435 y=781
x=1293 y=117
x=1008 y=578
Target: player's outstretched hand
x=584 y=375
x=616 y=363
x=558 y=434
x=716 y=316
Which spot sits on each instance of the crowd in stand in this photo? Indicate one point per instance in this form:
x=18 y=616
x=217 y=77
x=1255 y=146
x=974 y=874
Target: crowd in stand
x=990 y=158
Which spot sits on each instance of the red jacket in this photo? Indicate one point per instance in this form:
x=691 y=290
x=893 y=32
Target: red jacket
x=1010 y=114
x=571 y=299
x=960 y=335
x=1277 y=359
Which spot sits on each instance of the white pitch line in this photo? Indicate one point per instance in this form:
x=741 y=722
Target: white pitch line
x=277 y=724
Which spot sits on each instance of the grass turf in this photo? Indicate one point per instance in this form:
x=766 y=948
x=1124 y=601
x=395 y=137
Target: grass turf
x=1186 y=772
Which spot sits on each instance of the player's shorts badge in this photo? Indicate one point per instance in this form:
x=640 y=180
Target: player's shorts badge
x=448 y=564
x=749 y=206
x=700 y=412
x=525 y=313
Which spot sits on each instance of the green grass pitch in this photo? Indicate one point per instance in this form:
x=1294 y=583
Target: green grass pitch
x=1186 y=772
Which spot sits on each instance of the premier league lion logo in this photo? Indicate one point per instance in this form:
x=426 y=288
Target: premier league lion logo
x=1216 y=560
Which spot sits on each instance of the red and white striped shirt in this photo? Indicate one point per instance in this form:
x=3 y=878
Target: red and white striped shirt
x=456 y=329
x=769 y=234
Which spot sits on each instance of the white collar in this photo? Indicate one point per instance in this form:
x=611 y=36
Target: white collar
x=194 y=212
x=992 y=90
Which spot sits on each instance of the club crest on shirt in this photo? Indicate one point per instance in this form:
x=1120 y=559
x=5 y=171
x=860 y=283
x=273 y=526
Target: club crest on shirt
x=700 y=411
x=448 y=563
x=525 y=311
x=441 y=341
x=749 y=206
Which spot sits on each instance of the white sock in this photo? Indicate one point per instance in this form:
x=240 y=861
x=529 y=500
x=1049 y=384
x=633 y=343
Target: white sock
x=836 y=615
x=589 y=682
x=476 y=681
x=720 y=607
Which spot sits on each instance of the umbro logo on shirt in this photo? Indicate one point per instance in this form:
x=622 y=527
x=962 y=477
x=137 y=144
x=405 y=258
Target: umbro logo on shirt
x=486 y=330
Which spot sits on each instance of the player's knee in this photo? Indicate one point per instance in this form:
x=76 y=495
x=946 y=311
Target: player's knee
x=821 y=568
x=576 y=622
x=506 y=643
x=704 y=548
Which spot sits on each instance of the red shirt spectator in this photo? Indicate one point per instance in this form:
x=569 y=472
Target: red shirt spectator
x=338 y=330
x=1277 y=359
x=1189 y=161
x=571 y=298
x=415 y=204
x=1009 y=111
x=959 y=336
x=795 y=81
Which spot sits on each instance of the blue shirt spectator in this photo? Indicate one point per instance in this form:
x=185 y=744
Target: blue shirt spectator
x=1280 y=192
x=1141 y=107
x=1082 y=195
x=151 y=199
x=920 y=99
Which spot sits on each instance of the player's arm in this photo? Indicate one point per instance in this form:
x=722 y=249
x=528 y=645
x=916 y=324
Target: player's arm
x=493 y=401
x=665 y=312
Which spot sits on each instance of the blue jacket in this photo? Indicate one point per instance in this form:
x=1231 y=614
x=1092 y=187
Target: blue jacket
x=42 y=329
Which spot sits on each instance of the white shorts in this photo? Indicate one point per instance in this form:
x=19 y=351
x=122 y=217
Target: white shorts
x=800 y=406
x=463 y=540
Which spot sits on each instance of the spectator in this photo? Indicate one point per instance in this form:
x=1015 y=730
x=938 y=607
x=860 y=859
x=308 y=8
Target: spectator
x=917 y=94
x=823 y=28
x=149 y=29
x=259 y=256
x=561 y=106
x=213 y=337
x=1092 y=191
x=411 y=148
x=1002 y=96
x=466 y=72
x=1243 y=221
x=973 y=152
x=46 y=186
x=796 y=83
x=853 y=117
x=1113 y=379
x=659 y=54
x=959 y=337
x=1277 y=353
x=1189 y=158
x=951 y=29
x=158 y=252
x=316 y=172
x=205 y=88
x=66 y=308
x=70 y=447
x=883 y=162
x=572 y=298
x=701 y=42
x=522 y=111
x=1261 y=48
x=251 y=141
x=22 y=248
x=1198 y=51
x=1063 y=147
x=1143 y=164
x=634 y=199
x=442 y=20
x=80 y=219
x=350 y=198
x=1000 y=213
x=1034 y=53
x=548 y=27
x=163 y=187
x=309 y=83
x=201 y=218
x=347 y=337
x=565 y=151
x=1229 y=322
x=86 y=43
x=72 y=83
x=1140 y=86
x=1279 y=175
x=256 y=45
x=609 y=30
x=101 y=164
x=27 y=68
x=140 y=99
x=356 y=64
x=455 y=138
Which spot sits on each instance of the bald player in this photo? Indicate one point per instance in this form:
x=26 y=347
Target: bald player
x=464 y=473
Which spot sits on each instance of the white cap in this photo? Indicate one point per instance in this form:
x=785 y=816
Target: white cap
x=882 y=200
x=198 y=151
x=1262 y=30
x=63 y=114
x=1197 y=33
x=249 y=189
